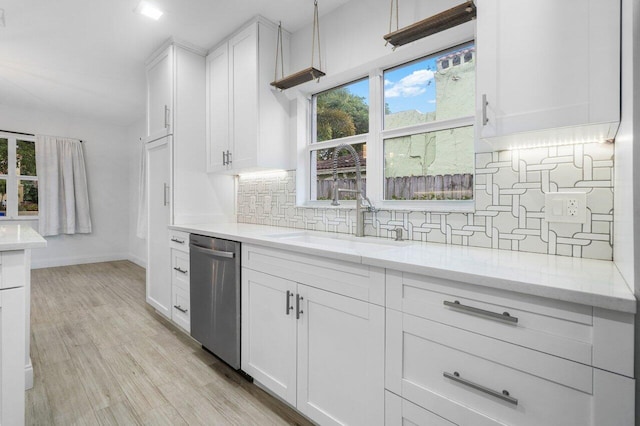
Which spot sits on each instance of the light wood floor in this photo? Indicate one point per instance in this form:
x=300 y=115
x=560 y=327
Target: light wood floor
x=102 y=356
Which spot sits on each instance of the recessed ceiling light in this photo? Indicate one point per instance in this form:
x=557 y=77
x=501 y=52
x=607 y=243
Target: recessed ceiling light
x=149 y=10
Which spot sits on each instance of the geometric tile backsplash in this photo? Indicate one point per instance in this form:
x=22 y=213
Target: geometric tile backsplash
x=509 y=200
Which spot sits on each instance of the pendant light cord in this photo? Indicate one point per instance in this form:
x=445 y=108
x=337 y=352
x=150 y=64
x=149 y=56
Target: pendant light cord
x=316 y=33
x=391 y=18
x=280 y=54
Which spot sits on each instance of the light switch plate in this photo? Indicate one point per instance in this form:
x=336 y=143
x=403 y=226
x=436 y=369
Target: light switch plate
x=565 y=207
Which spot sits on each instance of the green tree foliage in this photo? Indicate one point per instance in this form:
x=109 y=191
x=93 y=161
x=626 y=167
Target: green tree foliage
x=340 y=114
x=26 y=156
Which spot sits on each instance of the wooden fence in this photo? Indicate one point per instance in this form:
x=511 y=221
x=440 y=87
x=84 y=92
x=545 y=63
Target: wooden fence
x=438 y=187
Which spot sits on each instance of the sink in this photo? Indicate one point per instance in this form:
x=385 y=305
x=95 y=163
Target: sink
x=335 y=240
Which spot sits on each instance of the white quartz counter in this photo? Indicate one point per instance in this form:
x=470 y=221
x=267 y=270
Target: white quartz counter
x=20 y=237
x=590 y=282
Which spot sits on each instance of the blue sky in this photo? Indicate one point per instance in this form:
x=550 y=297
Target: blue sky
x=407 y=87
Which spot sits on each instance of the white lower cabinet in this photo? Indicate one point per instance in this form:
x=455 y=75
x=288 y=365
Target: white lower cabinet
x=475 y=356
x=321 y=352
x=180 y=285
x=400 y=412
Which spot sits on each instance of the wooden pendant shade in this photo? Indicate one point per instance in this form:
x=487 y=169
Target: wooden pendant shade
x=306 y=74
x=442 y=21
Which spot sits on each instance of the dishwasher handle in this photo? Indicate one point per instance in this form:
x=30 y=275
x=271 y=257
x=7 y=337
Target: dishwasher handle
x=214 y=253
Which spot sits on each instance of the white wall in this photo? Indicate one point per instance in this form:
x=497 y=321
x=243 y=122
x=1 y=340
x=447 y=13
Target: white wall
x=108 y=177
x=137 y=246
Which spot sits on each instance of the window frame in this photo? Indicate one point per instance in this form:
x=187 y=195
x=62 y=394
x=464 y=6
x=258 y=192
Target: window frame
x=377 y=134
x=12 y=178
x=314 y=145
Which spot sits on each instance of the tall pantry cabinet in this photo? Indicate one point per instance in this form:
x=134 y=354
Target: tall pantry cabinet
x=176 y=180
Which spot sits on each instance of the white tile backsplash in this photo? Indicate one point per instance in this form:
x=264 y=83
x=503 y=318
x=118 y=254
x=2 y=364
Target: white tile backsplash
x=509 y=196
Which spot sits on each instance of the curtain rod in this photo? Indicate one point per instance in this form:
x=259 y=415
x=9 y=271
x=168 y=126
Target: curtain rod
x=20 y=133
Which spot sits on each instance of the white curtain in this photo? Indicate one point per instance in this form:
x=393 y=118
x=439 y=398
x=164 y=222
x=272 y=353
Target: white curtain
x=63 y=198
x=141 y=226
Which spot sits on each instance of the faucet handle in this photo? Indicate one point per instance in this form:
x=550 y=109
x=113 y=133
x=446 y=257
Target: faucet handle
x=370 y=207
x=398 y=232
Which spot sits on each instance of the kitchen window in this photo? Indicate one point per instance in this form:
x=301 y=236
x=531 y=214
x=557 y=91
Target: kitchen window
x=18 y=177
x=341 y=115
x=412 y=127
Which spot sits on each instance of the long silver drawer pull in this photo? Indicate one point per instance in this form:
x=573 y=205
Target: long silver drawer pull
x=184 y=311
x=182 y=271
x=505 y=316
x=298 y=310
x=504 y=395
x=216 y=253
x=289 y=307
x=175 y=240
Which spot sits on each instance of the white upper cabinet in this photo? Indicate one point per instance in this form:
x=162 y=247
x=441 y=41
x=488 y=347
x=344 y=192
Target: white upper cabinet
x=160 y=94
x=548 y=70
x=217 y=108
x=247 y=120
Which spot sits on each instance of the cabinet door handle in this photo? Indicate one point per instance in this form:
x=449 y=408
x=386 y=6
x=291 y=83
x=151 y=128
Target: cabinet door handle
x=298 y=310
x=175 y=240
x=289 y=307
x=229 y=157
x=224 y=158
x=178 y=307
x=166 y=116
x=182 y=271
x=505 y=316
x=485 y=103
x=165 y=188
x=504 y=395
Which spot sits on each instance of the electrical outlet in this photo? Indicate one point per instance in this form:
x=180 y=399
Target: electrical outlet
x=565 y=207
x=267 y=202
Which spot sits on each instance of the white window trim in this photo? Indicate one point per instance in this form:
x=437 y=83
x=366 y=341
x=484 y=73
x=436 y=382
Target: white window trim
x=12 y=177
x=376 y=135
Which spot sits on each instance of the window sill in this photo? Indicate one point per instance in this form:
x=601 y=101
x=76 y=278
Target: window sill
x=15 y=219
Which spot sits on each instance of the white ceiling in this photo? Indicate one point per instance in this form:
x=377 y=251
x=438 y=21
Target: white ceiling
x=86 y=57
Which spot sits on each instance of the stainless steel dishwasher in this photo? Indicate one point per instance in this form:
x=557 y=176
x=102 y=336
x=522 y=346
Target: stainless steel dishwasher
x=215 y=296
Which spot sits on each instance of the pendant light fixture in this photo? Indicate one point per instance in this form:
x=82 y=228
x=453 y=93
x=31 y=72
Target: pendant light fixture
x=306 y=74
x=450 y=18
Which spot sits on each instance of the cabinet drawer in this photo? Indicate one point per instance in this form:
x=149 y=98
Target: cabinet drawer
x=180 y=270
x=400 y=412
x=550 y=326
x=429 y=363
x=179 y=240
x=358 y=281
x=13 y=269
x=181 y=308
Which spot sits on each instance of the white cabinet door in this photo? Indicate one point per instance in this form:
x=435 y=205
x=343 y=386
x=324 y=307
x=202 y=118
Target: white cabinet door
x=159 y=217
x=243 y=76
x=547 y=64
x=340 y=359
x=217 y=108
x=160 y=94
x=269 y=332
x=12 y=355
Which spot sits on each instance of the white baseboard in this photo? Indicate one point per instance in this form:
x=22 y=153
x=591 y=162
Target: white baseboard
x=138 y=261
x=76 y=260
x=28 y=376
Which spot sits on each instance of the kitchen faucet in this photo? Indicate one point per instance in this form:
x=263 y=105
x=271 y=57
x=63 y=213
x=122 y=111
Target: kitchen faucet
x=360 y=197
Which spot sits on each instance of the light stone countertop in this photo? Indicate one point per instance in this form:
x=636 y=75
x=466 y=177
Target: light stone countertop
x=20 y=237
x=585 y=281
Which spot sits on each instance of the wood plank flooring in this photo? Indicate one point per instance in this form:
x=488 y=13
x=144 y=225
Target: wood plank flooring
x=101 y=355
